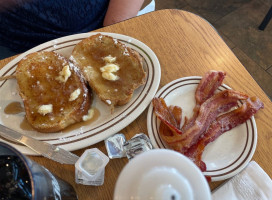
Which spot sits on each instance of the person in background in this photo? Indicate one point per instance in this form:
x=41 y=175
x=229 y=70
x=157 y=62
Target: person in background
x=27 y=23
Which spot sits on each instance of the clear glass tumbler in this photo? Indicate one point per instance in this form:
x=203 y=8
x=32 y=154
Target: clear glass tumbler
x=22 y=178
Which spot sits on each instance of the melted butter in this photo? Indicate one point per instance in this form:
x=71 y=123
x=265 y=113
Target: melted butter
x=96 y=61
x=14 y=108
x=25 y=125
x=78 y=125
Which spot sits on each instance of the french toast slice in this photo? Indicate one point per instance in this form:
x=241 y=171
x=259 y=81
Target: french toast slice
x=113 y=70
x=54 y=92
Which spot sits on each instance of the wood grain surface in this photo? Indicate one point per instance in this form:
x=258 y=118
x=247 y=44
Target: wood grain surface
x=186 y=45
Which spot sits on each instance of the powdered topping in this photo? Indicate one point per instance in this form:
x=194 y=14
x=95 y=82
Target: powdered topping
x=126 y=53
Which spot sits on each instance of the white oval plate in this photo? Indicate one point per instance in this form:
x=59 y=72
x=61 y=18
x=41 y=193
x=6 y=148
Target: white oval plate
x=228 y=154
x=107 y=123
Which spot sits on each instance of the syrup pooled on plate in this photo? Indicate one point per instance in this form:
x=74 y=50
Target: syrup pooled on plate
x=15 y=181
x=79 y=125
x=24 y=125
x=14 y=108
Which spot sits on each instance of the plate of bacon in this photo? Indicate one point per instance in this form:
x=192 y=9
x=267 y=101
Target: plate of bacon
x=207 y=121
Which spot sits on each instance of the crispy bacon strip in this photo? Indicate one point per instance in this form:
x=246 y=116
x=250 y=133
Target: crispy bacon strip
x=164 y=130
x=208 y=85
x=205 y=89
x=208 y=112
x=221 y=125
x=177 y=113
x=165 y=115
x=219 y=103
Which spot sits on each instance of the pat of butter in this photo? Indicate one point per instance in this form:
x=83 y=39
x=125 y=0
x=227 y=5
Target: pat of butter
x=64 y=74
x=89 y=115
x=110 y=76
x=45 y=109
x=107 y=71
x=110 y=67
x=109 y=59
x=74 y=95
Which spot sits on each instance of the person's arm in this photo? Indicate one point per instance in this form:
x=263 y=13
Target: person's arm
x=6 y=4
x=120 y=10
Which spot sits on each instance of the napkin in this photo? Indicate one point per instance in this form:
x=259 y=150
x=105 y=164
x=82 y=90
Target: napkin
x=251 y=183
x=149 y=8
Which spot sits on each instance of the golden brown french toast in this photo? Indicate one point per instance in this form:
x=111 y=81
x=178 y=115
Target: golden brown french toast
x=53 y=90
x=113 y=70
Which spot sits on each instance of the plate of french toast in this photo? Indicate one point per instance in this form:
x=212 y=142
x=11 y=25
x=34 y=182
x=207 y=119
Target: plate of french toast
x=77 y=90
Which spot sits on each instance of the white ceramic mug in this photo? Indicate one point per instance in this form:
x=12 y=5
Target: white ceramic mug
x=161 y=174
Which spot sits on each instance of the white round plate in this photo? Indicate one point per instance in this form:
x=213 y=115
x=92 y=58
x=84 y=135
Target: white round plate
x=107 y=123
x=228 y=154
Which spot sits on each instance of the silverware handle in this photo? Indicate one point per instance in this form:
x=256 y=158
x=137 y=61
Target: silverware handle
x=43 y=148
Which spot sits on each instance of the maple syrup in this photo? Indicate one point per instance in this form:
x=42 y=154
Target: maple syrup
x=24 y=125
x=14 y=108
x=78 y=125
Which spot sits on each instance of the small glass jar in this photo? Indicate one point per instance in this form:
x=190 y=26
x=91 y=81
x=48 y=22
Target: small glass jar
x=90 y=167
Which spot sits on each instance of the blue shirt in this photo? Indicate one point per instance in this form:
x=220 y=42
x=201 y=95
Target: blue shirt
x=31 y=23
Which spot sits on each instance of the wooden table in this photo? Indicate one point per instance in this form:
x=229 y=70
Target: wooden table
x=186 y=45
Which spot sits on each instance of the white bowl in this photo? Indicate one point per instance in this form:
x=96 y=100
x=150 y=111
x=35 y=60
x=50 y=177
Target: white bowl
x=161 y=174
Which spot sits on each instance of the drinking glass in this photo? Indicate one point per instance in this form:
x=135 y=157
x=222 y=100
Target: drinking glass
x=22 y=178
